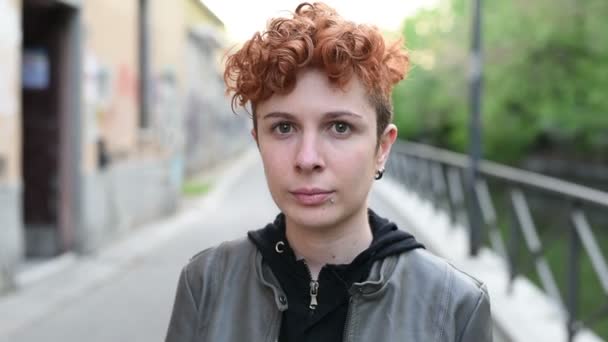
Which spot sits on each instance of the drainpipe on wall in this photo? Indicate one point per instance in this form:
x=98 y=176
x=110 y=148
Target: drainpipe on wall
x=144 y=63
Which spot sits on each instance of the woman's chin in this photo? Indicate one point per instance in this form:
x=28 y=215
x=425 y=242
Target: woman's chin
x=314 y=217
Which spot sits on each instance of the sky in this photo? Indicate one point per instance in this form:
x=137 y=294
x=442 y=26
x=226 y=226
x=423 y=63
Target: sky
x=244 y=17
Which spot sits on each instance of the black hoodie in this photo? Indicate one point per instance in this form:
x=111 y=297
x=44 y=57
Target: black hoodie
x=326 y=321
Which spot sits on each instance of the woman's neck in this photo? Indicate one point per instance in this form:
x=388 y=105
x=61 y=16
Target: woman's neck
x=338 y=244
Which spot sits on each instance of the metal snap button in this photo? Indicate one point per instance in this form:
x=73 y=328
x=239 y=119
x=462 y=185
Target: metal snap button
x=280 y=247
x=283 y=300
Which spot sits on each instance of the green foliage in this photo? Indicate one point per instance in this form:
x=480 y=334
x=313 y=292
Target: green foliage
x=545 y=76
x=545 y=84
x=195 y=188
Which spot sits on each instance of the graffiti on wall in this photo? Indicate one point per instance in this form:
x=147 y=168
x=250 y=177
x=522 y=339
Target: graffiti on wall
x=167 y=123
x=104 y=88
x=211 y=129
x=111 y=95
x=167 y=117
x=127 y=83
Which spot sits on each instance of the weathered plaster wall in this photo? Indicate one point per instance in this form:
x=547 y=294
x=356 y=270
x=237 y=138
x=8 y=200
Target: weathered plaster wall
x=10 y=53
x=110 y=84
x=11 y=238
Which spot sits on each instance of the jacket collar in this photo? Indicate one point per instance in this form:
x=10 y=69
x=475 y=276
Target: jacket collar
x=375 y=284
x=268 y=279
x=379 y=275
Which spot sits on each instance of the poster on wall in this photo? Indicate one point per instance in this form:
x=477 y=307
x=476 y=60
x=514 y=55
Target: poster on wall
x=9 y=43
x=36 y=70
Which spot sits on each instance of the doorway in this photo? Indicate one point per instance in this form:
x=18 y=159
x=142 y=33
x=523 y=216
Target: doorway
x=47 y=126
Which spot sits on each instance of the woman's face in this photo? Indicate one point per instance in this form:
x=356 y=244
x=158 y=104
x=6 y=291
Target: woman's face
x=318 y=146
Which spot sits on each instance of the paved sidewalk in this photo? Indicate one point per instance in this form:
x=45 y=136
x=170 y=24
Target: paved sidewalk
x=125 y=293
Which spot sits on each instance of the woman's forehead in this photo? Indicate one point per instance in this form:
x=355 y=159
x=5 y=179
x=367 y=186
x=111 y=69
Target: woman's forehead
x=315 y=94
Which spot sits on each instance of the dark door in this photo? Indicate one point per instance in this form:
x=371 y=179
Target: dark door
x=44 y=90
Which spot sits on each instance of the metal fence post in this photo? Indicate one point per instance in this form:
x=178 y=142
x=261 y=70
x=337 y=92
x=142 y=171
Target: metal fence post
x=476 y=72
x=573 y=280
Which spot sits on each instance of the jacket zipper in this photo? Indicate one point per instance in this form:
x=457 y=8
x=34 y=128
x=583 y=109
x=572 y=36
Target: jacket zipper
x=314 y=290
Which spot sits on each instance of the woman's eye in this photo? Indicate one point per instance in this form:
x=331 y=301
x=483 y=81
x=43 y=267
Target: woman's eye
x=341 y=127
x=283 y=128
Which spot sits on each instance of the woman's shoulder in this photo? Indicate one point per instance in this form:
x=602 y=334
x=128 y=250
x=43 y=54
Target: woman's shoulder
x=431 y=269
x=459 y=295
x=228 y=254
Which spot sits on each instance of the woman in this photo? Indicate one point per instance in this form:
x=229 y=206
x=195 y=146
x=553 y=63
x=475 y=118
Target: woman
x=327 y=268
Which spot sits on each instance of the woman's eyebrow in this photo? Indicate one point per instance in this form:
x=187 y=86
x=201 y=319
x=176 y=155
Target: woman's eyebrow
x=341 y=113
x=327 y=115
x=283 y=115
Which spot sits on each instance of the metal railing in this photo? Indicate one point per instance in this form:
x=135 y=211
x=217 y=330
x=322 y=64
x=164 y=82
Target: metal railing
x=439 y=176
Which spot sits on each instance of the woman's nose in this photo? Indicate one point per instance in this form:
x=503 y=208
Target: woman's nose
x=309 y=157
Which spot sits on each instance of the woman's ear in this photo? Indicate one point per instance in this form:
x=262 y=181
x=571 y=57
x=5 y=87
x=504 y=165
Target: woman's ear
x=387 y=139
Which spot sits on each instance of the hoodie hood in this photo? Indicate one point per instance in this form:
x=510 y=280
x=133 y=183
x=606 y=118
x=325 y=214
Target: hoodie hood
x=388 y=239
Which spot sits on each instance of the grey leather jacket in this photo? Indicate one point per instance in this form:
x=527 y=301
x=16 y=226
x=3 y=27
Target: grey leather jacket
x=227 y=294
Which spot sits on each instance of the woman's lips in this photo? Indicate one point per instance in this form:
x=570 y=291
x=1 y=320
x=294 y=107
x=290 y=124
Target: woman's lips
x=312 y=198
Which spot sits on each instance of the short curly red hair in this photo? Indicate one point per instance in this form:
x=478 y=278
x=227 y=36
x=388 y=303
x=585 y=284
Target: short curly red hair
x=318 y=37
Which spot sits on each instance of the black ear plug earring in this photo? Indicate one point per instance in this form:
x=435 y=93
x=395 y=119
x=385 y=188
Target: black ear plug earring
x=379 y=174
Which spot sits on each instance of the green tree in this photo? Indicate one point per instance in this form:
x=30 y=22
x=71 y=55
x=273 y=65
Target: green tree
x=545 y=77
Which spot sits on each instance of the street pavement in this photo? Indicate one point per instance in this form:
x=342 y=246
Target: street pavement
x=125 y=293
